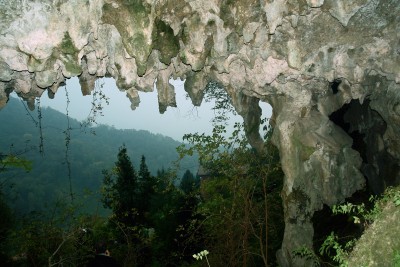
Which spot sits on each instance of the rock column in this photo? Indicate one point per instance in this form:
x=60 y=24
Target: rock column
x=319 y=164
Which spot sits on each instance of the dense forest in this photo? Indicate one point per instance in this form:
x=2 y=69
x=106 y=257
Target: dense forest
x=66 y=155
x=158 y=213
x=68 y=188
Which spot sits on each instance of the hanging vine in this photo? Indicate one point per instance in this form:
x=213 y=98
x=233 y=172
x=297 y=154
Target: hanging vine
x=67 y=133
x=29 y=113
x=39 y=111
x=98 y=99
x=29 y=148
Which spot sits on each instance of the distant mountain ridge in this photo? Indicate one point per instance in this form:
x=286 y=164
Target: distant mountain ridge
x=67 y=143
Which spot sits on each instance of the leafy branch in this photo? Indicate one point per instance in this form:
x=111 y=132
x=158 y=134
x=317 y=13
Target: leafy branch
x=201 y=254
x=98 y=99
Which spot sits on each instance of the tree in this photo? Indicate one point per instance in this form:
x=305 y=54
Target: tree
x=6 y=224
x=171 y=214
x=215 y=92
x=144 y=173
x=8 y=162
x=188 y=182
x=146 y=188
x=14 y=161
x=239 y=199
x=120 y=193
x=60 y=236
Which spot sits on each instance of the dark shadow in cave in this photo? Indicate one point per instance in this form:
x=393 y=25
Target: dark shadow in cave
x=325 y=222
x=335 y=86
x=367 y=128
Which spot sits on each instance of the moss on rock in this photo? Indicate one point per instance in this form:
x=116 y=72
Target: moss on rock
x=131 y=19
x=71 y=65
x=165 y=41
x=380 y=243
x=66 y=52
x=67 y=46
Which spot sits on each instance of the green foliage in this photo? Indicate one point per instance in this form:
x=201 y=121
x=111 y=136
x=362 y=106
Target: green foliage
x=149 y=214
x=13 y=161
x=396 y=259
x=363 y=214
x=7 y=218
x=211 y=148
x=88 y=154
x=240 y=207
x=332 y=248
x=99 y=98
x=122 y=193
x=357 y=211
x=396 y=201
x=201 y=254
x=338 y=250
x=223 y=104
x=392 y=194
x=236 y=212
x=6 y=224
x=308 y=255
x=59 y=237
x=120 y=190
x=188 y=182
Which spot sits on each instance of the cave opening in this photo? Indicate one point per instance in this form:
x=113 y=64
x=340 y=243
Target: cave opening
x=366 y=127
x=335 y=86
x=183 y=119
x=325 y=222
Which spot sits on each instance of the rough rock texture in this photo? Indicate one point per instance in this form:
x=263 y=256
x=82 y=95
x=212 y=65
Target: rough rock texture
x=379 y=246
x=329 y=68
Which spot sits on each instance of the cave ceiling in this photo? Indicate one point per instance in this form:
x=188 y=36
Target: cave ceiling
x=307 y=58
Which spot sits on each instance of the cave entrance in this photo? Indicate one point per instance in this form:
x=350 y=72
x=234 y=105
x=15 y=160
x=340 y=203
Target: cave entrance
x=175 y=122
x=367 y=128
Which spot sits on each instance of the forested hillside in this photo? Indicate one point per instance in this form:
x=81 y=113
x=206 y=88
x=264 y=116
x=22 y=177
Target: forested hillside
x=234 y=210
x=67 y=155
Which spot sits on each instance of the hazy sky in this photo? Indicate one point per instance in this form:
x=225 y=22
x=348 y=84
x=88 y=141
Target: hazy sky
x=175 y=122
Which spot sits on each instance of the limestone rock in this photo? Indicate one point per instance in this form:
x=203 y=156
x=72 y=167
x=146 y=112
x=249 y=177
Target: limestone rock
x=380 y=245
x=330 y=69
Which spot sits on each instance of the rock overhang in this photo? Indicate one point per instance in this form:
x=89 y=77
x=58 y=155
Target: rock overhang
x=284 y=52
x=246 y=45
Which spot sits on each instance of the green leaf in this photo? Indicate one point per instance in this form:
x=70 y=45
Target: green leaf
x=16 y=162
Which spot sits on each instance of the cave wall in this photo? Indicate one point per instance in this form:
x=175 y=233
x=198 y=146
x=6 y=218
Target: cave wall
x=289 y=53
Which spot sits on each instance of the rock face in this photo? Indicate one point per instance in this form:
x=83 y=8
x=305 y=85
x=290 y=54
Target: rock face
x=329 y=68
x=380 y=243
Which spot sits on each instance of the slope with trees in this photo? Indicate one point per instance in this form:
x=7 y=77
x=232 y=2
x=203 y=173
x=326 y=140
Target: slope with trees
x=73 y=155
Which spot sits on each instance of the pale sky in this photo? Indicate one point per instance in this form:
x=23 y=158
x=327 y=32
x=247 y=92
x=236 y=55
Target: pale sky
x=175 y=122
